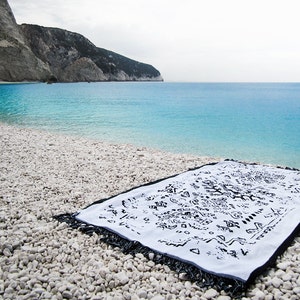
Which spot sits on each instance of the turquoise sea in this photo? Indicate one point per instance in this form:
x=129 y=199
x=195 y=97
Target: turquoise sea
x=244 y=121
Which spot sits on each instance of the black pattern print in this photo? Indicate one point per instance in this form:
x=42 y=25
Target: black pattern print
x=223 y=212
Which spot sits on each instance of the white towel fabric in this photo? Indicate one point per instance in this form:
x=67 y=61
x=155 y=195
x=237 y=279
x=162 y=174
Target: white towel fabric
x=227 y=219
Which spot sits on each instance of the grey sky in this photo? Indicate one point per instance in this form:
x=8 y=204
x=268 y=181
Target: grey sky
x=191 y=40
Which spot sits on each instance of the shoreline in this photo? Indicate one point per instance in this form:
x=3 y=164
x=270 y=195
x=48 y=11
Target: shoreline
x=188 y=134
x=44 y=174
x=19 y=82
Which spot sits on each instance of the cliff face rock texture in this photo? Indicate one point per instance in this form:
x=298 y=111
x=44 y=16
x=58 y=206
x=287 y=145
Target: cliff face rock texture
x=72 y=57
x=17 y=61
x=32 y=52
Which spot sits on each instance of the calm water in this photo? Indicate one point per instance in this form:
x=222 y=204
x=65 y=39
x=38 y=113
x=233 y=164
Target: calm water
x=259 y=122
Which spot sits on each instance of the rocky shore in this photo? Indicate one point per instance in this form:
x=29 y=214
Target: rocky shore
x=44 y=174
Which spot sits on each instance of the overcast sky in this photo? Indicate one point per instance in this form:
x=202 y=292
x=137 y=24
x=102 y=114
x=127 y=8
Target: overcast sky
x=186 y=40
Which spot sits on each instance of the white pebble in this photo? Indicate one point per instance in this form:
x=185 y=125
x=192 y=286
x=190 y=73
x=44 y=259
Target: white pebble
x=7 y=252
x=151 y=264
x=122 y=277
x=286 y=277
x=210 y=294
x=183 y=276
x=113 y=267
x=151 y=255
x=259 y=295
x=276 y=282
x=9 y=290
x=140 y=268
x=91 y=288
x=223 y=298
x=287 y=285
x=188 y=285
x=158 y=297
x=277 y=294
x=142 y=294
x=140 y=256
x=296 y=290
x=279 y=273
x=283 y=265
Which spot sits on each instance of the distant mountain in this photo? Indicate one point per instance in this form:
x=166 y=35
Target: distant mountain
x=37 y=53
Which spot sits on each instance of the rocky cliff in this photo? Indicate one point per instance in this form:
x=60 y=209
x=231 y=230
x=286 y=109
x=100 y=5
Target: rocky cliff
x=17 y=61
x=32 y=52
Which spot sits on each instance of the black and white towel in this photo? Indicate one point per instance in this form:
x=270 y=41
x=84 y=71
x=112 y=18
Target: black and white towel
x=227 y=219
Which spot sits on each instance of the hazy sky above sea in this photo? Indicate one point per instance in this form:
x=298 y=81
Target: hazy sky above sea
x=191 y=40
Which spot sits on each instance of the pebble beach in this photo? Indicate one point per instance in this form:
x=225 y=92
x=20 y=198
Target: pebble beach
x=44 y=174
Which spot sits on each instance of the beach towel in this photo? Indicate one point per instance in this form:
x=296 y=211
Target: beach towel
x=225 y=221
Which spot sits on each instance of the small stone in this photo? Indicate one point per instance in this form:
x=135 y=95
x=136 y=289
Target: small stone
x=286 y=277
x=3 y=226
x=113 y=267
x=111 y=284
x=6 y=252
x=9 y=290
x=183 y=276
x=126 y=296
x=67 y=294
x=39 y=290
x=142 y=294
x=283 y=265
x=103 y=272
x=140 y=268
x=122 y=277
x=91 y=288
x=210 y=294
x=23 y=292
x=42 y=279
x=75 y=246
x=277 y=294
x=296 y=290
x=287 y=285
x=279 y=273
x=3 y=217
x=223 y=298
x=140 y=256
x=27 y=249
x=130 y=266
x=150 y=263
x=188 y=285
x=47 y=295
x=30 y=218
x=259 y=295
x=41 y=249
x=158 y=297
x=276 y=282
x=151 y=255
